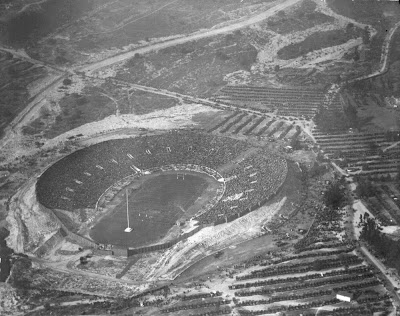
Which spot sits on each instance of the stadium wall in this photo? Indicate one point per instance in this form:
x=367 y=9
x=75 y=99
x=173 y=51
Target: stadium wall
x=134 y=251
x=80 y=240
x=51 y=242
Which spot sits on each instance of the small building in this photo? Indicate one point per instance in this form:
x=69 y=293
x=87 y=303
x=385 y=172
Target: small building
x=344 y=296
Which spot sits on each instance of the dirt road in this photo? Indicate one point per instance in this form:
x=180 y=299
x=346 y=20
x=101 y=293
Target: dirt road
x=384 y=56
x=190 y=37
x=383 y=269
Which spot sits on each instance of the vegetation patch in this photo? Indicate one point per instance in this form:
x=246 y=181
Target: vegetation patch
x=302 y=18
x=16 y=75
x=374 y=13
x=385 y=247
x=142 y=102
x=195 y=68
x=382 y=15
x=317 y=41
x=78 y=109
x=31 y=24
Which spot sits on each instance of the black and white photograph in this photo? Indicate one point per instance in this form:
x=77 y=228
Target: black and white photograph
x=200 y=157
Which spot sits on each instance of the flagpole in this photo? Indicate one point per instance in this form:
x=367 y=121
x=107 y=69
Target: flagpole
x=127 y=207
x=128 y=229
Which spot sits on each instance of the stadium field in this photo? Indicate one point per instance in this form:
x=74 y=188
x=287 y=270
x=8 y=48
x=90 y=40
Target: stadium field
x=154 y=207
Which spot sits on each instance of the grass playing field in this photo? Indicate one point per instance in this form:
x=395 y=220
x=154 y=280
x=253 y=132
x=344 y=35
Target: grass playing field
x=153 y=209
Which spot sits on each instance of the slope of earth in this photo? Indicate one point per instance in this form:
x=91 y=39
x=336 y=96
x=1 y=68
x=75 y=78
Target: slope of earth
x=195 y=68
x=370 y=97
x=318 y=41
x=297 y=18
x=78 y=101
x=17 y=77
x=23 y=28
x=111 y=26
x=369 y=12
x=387 y=84
x=251 y=55
x=382 y=15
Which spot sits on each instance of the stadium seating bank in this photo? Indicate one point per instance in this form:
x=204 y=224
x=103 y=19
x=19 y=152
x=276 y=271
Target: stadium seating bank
x=78 y=180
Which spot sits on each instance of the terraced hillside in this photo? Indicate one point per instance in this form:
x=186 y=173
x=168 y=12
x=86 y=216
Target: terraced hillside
x=298 y=102
x=373 y=154
x=256 y=125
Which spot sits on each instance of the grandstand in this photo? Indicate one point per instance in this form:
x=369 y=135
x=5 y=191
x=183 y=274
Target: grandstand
x=79 y=179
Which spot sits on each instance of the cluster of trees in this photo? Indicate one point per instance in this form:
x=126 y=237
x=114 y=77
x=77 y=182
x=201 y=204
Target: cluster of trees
x=199 y=295
x=392 y=136
x=335 y=196
x=335 y=119
x=212 y=313
x=383 y=245
x=299 y=278
x=298 y=286
x=277 y=309
x=312 y=255
x=287 y=297
x=357 y=285
x=365 y=188
x=354 y=311
x=195 y=305
x=324 y=246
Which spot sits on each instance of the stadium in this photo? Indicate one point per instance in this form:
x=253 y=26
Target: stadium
x=167 y=186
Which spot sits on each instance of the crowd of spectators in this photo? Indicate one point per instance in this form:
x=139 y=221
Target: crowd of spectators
x=79 y=179
x=248 y=186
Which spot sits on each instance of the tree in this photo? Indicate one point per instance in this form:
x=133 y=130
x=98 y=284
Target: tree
x=356 y=54
x=334 y=196
x=83 y=260
x=67 y=82
x=364 y=188
x=295 y=143
x=349 y=27
x=351 y=115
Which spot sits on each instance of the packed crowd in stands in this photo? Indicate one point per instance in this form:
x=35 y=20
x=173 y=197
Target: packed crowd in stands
x=249 y=185
x=79 y=179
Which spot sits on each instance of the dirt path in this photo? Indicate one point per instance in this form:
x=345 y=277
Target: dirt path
x=191 y=37
x=391 y=146
x=129 y=21
x=24 y=56
x=62 y=267
x=26 y=6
